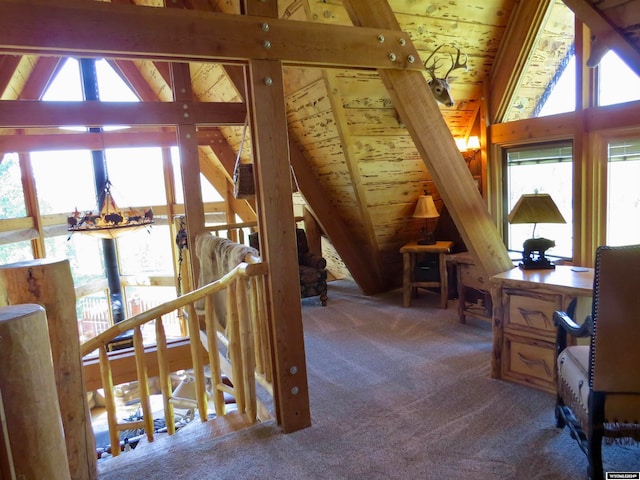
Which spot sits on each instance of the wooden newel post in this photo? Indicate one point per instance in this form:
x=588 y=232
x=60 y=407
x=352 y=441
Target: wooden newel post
x=34 y=447
x=49 y=283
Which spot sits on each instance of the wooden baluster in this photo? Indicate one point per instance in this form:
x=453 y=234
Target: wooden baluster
x=109 y=400
x=264 y=329
x=198 y=373
x=246 y=346
x=143 y=382
x=211 y=323
x=165 y=378
x=255 y=324
x=235 y=352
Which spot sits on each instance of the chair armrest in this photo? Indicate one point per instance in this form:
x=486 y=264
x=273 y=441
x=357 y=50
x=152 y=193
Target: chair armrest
x=565 y=322
x=312 y=260
x=565 y=325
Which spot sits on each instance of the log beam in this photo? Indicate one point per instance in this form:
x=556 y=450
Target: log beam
x=26 y=114
x=126 y=31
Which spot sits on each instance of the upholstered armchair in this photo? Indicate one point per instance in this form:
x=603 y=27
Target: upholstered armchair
x=598 y=384
x=312 y=267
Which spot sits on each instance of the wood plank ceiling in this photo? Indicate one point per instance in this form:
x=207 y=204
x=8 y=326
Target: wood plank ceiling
x=363 y=171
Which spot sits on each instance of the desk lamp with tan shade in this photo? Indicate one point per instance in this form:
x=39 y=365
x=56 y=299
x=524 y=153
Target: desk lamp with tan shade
x=536 y=208
x=426 y=208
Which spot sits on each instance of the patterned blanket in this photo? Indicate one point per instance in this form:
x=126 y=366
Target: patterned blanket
x=217 y=257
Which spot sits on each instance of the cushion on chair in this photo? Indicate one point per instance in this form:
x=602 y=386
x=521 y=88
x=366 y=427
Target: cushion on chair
x=620 y=410
x=573 y=379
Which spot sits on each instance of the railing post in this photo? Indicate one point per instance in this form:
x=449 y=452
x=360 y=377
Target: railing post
x=49 y=283
x=35 y=446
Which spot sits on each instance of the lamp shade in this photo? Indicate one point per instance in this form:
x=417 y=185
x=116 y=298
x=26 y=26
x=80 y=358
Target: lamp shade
x=535 y=208
x=473 y=143
x=425 y=208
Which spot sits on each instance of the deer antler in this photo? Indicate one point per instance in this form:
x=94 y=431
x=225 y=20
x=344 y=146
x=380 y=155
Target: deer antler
x=432 y=68
x=457 y=64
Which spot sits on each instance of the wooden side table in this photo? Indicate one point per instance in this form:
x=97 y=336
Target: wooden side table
x=410 y=283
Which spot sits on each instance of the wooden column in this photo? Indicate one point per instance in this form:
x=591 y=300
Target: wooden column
x=49 y=283
x=189 y=162
x=277 y=233
x=34 y=446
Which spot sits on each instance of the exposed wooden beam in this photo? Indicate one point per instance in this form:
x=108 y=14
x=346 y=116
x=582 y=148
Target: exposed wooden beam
x=607 y=32
x=510 y=64
x=357 y=259
x=43 y=71
x=8 y=65
x=89 y=141
x=190 y=167
x=420 y=113
x=123 y=31
x=131 y=138
x=370 y=247
x=25 y=114
x=278 y=243
x=131 y=75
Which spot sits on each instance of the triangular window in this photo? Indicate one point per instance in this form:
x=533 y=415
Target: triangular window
x=617 y=82
x=67 y=85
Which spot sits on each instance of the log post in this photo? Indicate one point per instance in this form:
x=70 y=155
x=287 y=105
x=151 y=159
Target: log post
x=49 y=283
x=35 y=447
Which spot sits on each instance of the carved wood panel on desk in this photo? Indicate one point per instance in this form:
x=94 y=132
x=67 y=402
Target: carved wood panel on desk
x=523 y=331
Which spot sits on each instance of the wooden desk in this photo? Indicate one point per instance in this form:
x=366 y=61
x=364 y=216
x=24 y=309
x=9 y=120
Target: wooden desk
x=410 y=283
x=523 y=330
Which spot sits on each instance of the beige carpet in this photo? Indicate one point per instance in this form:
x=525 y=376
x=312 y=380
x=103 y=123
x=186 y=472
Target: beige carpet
x=396 y=393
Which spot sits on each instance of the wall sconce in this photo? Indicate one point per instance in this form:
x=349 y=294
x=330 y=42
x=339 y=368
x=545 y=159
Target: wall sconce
x=468 y=147
x=426 y=208
x=536 y=208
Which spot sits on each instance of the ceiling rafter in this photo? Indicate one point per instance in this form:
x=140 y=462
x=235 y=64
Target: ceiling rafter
x=528 y=19
x=8 y=65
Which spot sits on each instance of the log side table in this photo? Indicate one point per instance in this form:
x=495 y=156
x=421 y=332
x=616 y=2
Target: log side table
x=410 y=283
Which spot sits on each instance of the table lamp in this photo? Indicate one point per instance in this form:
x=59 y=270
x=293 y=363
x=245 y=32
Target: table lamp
x=425 y=208
x=536 y=208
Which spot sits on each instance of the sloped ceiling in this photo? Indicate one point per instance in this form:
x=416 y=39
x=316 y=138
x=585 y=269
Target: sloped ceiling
x=342 y=121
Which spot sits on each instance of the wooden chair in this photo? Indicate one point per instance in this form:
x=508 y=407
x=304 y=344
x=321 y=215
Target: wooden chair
x=599 y=384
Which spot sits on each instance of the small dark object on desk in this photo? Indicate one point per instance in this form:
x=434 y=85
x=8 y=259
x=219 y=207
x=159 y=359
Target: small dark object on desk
x=539 y=245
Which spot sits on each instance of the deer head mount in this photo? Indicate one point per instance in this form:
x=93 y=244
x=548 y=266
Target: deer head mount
x=440 y=86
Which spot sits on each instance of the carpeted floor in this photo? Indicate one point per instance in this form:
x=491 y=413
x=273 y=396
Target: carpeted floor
x=396 y=393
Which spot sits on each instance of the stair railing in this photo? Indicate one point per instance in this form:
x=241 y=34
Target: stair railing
x=245 y=335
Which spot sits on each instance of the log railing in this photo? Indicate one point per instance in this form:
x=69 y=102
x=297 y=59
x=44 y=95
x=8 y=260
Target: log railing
x=245 y=336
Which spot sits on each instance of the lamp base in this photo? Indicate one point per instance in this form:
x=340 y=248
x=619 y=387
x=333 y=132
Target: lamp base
x=428 y=239
x=542 y=264
x=533 y=246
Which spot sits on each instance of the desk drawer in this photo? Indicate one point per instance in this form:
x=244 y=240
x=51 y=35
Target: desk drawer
x=531 y=312
x=529 y=361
